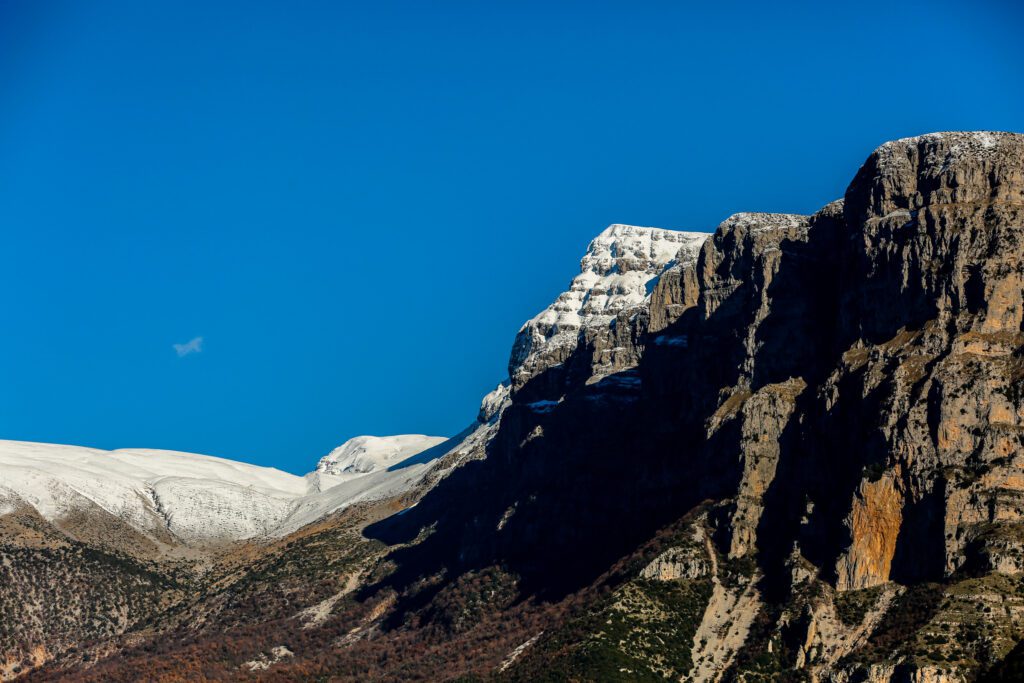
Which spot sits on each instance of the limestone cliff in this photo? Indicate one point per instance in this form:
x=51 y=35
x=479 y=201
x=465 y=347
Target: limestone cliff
x=843 y=389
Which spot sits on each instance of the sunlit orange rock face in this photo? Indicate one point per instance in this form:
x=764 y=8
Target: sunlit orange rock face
x=874 y=525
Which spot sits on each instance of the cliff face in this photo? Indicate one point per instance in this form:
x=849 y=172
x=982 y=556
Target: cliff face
x=842 y=391
x=930 y=335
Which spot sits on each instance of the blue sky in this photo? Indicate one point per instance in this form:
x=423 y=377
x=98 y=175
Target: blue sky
x=257 y=229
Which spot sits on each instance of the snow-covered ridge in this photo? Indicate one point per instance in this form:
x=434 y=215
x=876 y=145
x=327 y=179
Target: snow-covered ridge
x=616 y=273
x=366 y=454
x=195 y=498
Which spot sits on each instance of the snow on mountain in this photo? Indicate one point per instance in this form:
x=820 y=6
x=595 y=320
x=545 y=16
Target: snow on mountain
x=493 y=403
x=366 y=454
x=197 y=498
x=365 y=468
x=617 y=272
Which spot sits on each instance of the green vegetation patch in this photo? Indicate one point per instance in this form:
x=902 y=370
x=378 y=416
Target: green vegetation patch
x=853 y=606
x=970 y=625
x=641 y=632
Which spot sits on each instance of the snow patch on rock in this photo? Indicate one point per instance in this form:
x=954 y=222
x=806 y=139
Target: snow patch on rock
x=617 y=272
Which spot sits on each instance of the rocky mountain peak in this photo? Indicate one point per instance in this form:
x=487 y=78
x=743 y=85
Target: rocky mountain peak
x=616 y=274
x=938 y=169
x=627 y=248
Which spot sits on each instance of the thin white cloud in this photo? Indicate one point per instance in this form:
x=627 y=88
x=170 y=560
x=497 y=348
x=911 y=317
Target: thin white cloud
x=194 y=345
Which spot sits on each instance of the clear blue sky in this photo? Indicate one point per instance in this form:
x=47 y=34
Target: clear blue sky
x=356 y=206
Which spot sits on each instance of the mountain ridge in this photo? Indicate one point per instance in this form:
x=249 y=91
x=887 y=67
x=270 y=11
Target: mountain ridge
x=618 y=265
x=799 y=455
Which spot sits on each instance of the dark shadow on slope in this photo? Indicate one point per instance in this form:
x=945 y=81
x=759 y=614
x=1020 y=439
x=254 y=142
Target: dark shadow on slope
x=797 y=339
x=434 y=452
x=554 y=508
x=887 y=284
x=1009 y=670
x=920 y=546
x=569 y=487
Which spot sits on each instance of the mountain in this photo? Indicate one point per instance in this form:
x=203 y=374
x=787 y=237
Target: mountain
x=368 y=454
x=184 y=499
x=789 y=450
x=600 y=308
x=137 y=532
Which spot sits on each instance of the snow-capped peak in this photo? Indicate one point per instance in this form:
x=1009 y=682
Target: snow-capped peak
x=196 y=499
x=366 y=454
x=616 y=273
